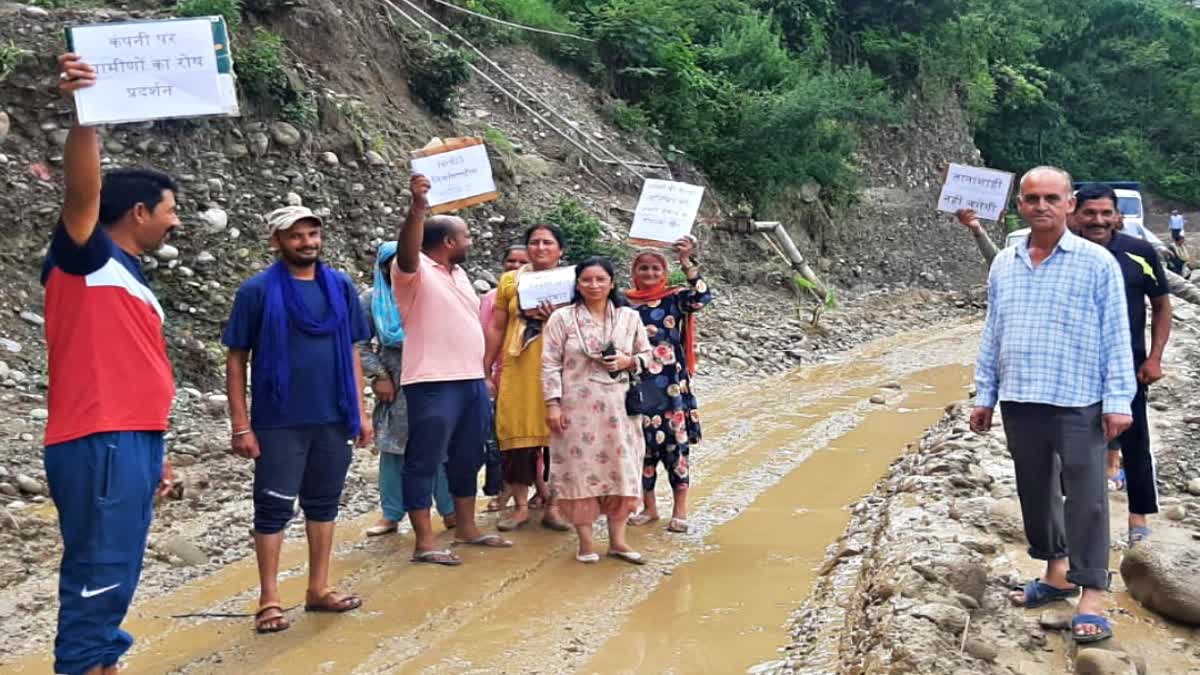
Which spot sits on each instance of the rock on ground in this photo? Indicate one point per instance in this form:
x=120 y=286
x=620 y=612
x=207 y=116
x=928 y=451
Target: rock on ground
x=1165 y=577
x=1103 y=662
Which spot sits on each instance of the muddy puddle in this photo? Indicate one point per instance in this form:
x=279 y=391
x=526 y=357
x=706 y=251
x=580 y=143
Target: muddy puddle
x=780 y=462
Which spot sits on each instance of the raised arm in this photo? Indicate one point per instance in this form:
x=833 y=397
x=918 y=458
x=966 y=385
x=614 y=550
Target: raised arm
x=408 y=253
x=81 y=157
x=987 y=248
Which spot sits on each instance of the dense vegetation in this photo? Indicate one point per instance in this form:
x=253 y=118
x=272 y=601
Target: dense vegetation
x=766 y=94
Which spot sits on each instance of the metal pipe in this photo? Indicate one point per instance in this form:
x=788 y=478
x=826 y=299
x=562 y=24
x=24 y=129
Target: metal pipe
x=792 y=254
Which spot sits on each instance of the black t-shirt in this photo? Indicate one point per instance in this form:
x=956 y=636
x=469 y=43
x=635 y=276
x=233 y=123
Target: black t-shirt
x=1144 y=278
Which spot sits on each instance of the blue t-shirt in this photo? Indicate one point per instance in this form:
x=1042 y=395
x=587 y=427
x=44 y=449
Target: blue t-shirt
x=313 y=392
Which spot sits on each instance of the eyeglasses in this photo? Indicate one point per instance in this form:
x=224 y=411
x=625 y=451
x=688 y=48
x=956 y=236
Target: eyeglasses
x=1034 y=200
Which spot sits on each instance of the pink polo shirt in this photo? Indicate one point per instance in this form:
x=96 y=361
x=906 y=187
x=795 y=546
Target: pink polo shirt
x=443 y=341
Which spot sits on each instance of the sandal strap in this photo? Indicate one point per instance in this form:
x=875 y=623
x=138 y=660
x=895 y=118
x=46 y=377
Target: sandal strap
x=267 y=607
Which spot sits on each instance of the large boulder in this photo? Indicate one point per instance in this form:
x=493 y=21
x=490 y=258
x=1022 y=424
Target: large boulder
x=1165 y=577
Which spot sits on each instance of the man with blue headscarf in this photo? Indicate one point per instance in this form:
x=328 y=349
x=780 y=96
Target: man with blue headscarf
x=381 y=359
x=298 y=321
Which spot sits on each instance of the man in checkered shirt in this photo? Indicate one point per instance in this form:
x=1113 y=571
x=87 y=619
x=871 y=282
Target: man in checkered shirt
x=1056 y=355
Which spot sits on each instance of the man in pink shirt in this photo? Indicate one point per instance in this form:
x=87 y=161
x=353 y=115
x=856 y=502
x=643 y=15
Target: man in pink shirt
x=442 y=374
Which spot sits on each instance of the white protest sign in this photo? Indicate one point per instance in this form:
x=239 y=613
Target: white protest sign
x=148 y=70
x=456 y=175
x=665 y=211
x=556 y=286
x=973 y=187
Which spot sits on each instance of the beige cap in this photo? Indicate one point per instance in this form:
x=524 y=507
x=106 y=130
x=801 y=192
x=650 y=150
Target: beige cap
x=284 y=218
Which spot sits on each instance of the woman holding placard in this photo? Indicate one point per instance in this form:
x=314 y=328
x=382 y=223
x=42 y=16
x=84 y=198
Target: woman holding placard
x=520 y=411
x=594 y=348
x=669 y=313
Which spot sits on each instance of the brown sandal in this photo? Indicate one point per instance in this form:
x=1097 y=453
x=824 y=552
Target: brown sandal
x=333 y=602
x=277 y=623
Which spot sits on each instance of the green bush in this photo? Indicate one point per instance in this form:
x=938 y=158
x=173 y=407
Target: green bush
x=230 y=9
x=435 y=70
x=12 y=56
x=498 y=140
x=259 y=65
x=625 y=117
x=542 y=14
x=584 y=233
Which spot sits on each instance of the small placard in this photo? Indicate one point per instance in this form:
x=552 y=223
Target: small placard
x=556 y=286
x=148 y=70
x=665 y=211
x=459 y=173
x=974 y=187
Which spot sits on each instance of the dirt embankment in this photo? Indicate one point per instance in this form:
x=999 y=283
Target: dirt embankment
x=918 y=582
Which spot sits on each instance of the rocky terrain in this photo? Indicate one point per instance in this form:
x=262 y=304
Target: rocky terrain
x=918 y=582
x=351 y=168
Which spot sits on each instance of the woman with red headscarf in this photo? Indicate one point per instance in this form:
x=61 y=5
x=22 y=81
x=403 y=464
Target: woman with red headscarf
x=669 y=314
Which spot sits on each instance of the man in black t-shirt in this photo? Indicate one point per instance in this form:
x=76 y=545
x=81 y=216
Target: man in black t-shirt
x=1096 y=218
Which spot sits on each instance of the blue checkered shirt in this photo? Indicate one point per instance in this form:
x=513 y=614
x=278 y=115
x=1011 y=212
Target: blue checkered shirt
x=1057 y=334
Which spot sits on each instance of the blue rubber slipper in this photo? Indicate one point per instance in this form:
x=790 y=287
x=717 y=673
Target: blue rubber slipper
x=1038 y=594
x=1090 y=620
x=1118 y=481
x=1138 y=533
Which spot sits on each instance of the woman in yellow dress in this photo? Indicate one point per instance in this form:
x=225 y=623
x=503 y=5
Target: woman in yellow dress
x=520 y=408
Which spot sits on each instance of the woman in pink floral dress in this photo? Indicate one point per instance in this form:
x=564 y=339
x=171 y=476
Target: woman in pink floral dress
x=596 y=449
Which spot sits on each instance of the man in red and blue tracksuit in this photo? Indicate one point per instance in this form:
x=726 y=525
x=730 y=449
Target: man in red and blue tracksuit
x=110 y=391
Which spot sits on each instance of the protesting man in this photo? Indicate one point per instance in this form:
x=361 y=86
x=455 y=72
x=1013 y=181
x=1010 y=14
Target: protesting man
x=1095 y=218
x=449 y=412
x=110 y=390
x=298 y=320
x=1056 y=354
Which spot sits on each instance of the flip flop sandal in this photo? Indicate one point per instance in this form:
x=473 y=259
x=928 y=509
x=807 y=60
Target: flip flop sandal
x=443 y=557
x=487 y=541
x=1118 y=481
x=1038 y=594
x=631 y=557
x=679 y=526
x=1090 y=620
x=556 y=525
x=588 y=558
x=279 y=623
x=345 y=604
x=1138 y=534
x=642 y=519
x=508 y=524
x=380 y=530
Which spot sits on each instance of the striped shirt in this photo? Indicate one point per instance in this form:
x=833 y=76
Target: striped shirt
x=1057 y=334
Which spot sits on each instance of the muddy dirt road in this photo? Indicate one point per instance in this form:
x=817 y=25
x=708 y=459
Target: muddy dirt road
x=779 y=463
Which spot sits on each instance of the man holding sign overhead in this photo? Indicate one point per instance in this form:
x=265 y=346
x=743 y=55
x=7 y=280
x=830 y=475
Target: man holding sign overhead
x=111 y=389
x=442 y=374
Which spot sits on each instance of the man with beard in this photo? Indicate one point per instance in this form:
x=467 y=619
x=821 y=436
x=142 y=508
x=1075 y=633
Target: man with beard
x=110 y=391
x=298 y=320
x=442 y=374
x=1095 y=218
x=1056 y=354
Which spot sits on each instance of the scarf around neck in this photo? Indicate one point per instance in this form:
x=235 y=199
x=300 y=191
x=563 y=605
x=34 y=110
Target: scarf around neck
x=384 y=312
x=641 y=296
x=283 y=306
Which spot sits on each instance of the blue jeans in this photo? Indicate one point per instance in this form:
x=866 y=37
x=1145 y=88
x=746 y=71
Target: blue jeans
x=446 y=426
x=103 y=486
x=391 y=488
x=308 y=463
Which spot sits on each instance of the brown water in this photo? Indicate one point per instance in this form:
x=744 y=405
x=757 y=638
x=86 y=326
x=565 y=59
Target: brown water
x=780 y=462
